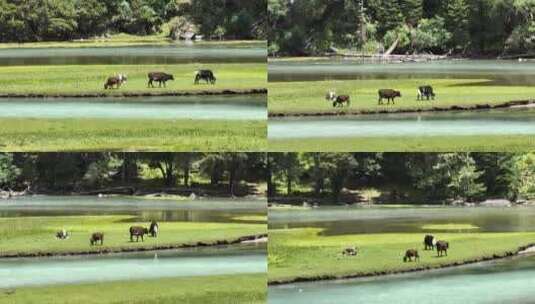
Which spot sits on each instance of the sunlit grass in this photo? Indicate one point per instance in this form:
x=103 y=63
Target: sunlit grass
x=224 y=289
x=27 y=134
x=37 y=234
x=307 y=254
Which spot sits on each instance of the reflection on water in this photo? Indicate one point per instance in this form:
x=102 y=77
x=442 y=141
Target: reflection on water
x=231 y=108
x=133 y=55
x=495 y=122
x=506 y=281
x=500 y=71
x=146 y=265
x=343 y=220
x=203 y=210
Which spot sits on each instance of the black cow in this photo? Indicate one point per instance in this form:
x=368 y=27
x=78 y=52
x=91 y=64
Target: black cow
x=62 y=234
x=206 y=75
x=154 y=228
x=159 y=77
x=389 y=94
x=429 y=242
x=340 y=100
x=97 y=237
x=425 y=91
x=442 y=248
x=138 y=231
x=411 y=253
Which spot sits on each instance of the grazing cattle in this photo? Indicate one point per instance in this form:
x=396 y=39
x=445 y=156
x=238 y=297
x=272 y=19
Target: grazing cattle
x=411 y=253
x=138 y=231
x=389 y=94
x=154 y=228
x=115 y=81
x=206 y=75
x=159 y=77
x=338 y=100
x=351 y=251
x=62 y=234
x=425 y=91
x=97 y=237
x=442 y=248
x=429 y=242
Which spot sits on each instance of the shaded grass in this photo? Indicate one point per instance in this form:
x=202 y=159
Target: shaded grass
x=86 y=79
x=305 y=253
x=309 y=97
x=250 y=288
x=479 y=143
x=27 y=134
x=37 y=234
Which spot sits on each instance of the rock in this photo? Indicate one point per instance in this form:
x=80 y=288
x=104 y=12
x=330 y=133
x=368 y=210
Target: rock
x=496 y=203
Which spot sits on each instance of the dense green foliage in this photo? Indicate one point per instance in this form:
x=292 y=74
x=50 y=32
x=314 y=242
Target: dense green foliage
x=474 y=27
x=434 y=177
x=78 y=171
x=46 y=20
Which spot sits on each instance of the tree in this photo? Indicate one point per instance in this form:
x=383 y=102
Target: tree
x=286 y=165
x=339 y=168
x=9 y=172
x=431 y=34
x=523 y=177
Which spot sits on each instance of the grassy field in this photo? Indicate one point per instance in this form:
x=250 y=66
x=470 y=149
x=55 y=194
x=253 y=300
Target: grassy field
x=309 y=97
x=234 y=289
x=37 y=234
x=306 y=254
x=87 y=79
x=27 y=134
x=480 y=143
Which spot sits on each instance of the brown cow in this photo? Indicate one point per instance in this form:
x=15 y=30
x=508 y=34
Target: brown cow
x=96 y=238
x=351 y=251
x=389 y=94
x=442 y=248
x=411 y=253
x=159 y=77
x=138 y=231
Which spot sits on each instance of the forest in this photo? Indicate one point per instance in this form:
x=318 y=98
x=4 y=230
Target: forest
x=413 y=178
x=59 y=20
x=76 y=172
x=476 y=28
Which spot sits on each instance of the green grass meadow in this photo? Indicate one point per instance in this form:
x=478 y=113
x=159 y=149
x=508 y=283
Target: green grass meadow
x=309 y=97
x=304 y=253
x=224 y=289
x=28 y=134
x=28 y=235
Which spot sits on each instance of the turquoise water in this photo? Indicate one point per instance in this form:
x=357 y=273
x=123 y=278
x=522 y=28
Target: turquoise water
x=148 y=265
x=199 y=210
x=148 y=54
x=502 y=72
x=350 y=220
x=508 y=281
x=222 y=108
x=495 y=122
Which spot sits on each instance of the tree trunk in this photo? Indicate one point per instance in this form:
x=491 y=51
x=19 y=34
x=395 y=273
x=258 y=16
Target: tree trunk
x=289 y=185
x=392 y=47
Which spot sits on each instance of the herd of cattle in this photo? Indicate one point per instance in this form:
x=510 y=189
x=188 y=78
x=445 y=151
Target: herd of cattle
x=425 y=91
x=161 y=78
x=97 y=238
x=430 y=243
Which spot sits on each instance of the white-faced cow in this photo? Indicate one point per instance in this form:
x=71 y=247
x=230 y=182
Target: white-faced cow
x=115 y=81
x=338 y=100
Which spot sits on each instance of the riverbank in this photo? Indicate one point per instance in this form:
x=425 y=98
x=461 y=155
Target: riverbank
x=124 y=40
x=88 y=80
x=293 y=251
x=243 y=288
x=307 y=98
x=56 y=135
x=35 y=236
